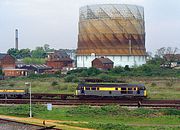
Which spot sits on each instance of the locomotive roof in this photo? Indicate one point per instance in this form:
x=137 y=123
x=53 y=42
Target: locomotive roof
x=112 y=85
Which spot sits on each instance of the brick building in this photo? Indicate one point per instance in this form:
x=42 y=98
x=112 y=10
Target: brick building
x=8 y=64
x=102 y=63
x=59 y=59
x=7 y=61
x=15 y=72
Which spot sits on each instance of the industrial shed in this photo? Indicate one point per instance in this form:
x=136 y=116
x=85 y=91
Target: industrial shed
x=102 y=63
x=34 y=68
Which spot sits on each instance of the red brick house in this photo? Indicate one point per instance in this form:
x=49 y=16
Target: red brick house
x=102 y=63
x=7 y=61
x=59 y=59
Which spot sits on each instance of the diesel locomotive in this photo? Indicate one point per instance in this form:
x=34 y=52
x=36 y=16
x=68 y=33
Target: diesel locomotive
x=111 y=91
x=86 y=91
x=13 y=93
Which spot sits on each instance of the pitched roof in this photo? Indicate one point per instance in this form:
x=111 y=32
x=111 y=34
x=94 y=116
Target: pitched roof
x=61 y=54
x=2 y=55
x=40 y=66
x=36 y=66
x=105 y=60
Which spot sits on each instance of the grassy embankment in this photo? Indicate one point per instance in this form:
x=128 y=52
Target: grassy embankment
x=158 y=88
x=103 y=118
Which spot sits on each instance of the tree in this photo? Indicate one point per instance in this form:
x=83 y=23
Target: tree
x=126 y=68
x=14 y=52
x=160 y=52
x=166 y=54
x=170 y=55
x=25 y=53
x=46 y=47
x=39 y=52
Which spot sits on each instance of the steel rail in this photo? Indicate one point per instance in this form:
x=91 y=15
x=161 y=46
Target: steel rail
x=139 y=103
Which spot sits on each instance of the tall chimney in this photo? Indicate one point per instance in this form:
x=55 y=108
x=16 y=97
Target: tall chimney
x=16 y=38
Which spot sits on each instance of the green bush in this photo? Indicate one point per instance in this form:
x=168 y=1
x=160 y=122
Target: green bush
x=151 y=68
x=106 y=77
x=85 y=72
x=71 y=78
x=54 y=83
x=153 y=84
x=126 y=68
x=58 y=72
x=117 y=70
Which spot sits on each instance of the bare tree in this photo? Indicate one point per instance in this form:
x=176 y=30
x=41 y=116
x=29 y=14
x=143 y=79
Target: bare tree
x=161 y=52
x=170 y=54
x=167 y=53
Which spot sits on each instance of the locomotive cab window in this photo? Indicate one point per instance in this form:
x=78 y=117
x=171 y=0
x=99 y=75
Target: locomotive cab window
x=93 y=88
x=142 y=88
x=129 y=89
x=87 y=88
x=123 y=90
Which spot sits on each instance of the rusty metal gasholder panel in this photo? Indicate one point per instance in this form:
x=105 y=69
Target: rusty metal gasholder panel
x=111 y=29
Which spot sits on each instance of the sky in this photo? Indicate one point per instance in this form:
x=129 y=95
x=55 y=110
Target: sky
x=55 y=22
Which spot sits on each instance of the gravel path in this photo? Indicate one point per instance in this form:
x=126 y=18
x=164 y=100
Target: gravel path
x=6 y=125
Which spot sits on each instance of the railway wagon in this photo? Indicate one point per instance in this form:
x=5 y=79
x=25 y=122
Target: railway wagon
x=13 y=93
x=111 y=91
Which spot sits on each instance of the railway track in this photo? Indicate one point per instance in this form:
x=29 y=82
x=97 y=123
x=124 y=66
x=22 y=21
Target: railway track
x=131 y=103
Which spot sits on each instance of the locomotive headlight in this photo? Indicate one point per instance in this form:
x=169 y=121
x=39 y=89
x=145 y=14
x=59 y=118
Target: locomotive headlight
x=145 y=93
x=76 y=93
